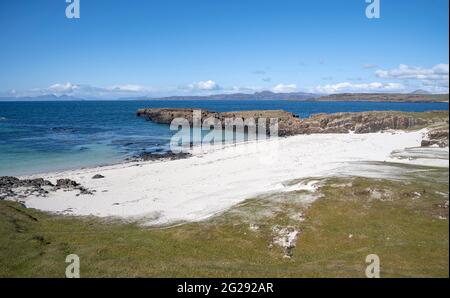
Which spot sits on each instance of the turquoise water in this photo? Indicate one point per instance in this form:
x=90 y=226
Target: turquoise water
x=47 y=136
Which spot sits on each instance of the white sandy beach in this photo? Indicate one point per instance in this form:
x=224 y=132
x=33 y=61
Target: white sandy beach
x=198 y=187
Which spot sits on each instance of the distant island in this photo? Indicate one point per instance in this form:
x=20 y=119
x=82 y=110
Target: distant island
x=416 y=96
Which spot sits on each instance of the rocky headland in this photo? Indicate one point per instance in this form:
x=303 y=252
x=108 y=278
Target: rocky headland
x=290 y=124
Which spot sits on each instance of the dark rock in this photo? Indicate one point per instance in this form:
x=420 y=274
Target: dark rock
x=12 y=187
x=85 y=191
x=98 y=176
x=39 y=182
x=426 y=143
x=437 y=136
x=66 y=183
x=148 y=156
x=8 y=182
x=13 y=182
x=9 y=185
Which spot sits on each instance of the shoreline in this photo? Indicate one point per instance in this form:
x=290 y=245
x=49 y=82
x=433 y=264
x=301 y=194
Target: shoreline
x=214 y=181
x=132 y=162
x=77 y=147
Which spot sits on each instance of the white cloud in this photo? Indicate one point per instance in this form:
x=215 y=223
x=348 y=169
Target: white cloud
x=284 y=88
x=431 y=86
x=363 y=87
x=243 y=89
x=441 y=69
x=433 y=79
x=129 y=88
x=205 y=85
x=86 y=91
x=67 y=87
x=438 y=72
x=117 y=91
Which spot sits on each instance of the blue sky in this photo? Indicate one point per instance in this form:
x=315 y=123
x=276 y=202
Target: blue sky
x=147 y=47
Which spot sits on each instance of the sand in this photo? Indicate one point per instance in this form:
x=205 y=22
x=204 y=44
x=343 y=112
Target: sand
x=193 y=189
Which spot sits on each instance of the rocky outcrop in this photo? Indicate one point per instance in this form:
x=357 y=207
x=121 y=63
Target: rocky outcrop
x=436 y=137
x=166 y=116
x=150 y=156
x=366 y=122
x=290 y=124
x=12 y=187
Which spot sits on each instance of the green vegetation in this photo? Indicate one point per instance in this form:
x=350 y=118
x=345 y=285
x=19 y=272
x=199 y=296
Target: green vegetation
x=404 y=222
x=435 y=116
x=384 y=97
x=439 y=118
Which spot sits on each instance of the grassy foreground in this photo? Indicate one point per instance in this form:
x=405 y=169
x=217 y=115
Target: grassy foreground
x=404 y=222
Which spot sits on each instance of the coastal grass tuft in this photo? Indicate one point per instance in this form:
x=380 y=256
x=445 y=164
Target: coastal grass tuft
x=404 y=222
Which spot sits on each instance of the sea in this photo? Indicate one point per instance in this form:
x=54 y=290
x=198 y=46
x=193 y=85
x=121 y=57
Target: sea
x=47 y=136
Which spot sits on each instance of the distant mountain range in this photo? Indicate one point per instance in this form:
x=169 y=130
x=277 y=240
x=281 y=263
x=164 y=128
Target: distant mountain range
x=420 y=91
x=416 y=96
x=263 y=95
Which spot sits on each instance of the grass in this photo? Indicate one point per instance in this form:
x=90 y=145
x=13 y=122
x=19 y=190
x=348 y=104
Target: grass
x=409 y=232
